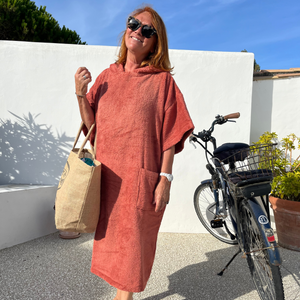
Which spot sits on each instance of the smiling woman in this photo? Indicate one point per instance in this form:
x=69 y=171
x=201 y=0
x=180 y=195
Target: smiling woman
x=142 y=121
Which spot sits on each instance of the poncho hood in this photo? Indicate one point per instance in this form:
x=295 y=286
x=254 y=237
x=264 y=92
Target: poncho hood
x=119 y=68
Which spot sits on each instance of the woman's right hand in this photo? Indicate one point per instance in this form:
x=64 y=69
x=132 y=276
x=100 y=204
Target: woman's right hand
x=82 y=78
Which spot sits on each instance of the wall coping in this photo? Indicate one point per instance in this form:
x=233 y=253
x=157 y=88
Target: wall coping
x=7 y=188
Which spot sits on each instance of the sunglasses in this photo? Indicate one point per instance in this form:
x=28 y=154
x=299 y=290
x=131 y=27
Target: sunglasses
x=134 y=24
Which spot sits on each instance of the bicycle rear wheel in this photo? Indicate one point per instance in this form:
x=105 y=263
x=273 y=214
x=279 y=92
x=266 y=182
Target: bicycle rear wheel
x=266 y=277
x=205 y=207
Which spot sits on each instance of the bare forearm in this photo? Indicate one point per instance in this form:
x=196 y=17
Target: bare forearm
x=167 y=160
x=82 y=78
x=86 y=112
x=162 y=191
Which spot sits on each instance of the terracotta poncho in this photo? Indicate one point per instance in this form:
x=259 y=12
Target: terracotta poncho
x=138 y=115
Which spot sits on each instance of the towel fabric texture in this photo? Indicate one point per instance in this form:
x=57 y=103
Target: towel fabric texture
x=138 y=115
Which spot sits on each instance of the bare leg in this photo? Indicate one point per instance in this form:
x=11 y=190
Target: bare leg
x=123 y=295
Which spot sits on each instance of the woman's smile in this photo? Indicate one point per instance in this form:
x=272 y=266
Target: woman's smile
x=136 y=39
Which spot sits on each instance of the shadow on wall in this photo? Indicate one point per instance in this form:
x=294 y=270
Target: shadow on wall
x=30 y=153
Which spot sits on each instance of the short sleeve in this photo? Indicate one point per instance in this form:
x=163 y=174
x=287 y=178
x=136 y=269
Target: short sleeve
x=177 y=124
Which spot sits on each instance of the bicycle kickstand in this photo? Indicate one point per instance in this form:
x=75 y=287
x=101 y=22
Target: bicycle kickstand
x=234 y=256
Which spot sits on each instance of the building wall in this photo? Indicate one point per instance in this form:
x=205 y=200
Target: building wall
x=40 y=116
x=275 y=107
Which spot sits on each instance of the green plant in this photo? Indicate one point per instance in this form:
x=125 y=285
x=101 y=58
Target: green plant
x=22 y=20
x=286 y=183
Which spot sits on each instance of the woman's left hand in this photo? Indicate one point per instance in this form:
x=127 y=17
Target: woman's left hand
x=162 y=194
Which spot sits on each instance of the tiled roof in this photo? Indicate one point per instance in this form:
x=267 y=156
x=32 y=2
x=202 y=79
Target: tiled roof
x=276 y=74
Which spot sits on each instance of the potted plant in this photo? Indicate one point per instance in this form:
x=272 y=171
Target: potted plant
x=285 y=193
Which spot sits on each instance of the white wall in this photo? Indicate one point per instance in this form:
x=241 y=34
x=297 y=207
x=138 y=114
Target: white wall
x=38 y=79
x=26 y=213
x=275 y=107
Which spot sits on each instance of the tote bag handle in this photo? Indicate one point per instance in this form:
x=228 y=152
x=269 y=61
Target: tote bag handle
x=85 y=140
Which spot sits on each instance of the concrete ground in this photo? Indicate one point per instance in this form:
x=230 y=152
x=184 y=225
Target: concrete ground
x=185 y=268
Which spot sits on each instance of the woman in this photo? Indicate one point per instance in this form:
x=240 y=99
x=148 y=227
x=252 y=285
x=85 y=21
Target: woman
x=141 y=122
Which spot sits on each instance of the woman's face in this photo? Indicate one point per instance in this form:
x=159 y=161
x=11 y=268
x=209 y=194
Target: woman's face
x=136 y=43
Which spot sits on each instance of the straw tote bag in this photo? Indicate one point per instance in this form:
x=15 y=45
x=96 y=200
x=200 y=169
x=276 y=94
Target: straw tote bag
x=77 y=203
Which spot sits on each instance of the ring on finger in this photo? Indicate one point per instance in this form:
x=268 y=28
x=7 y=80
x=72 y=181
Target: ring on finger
x=84 y=77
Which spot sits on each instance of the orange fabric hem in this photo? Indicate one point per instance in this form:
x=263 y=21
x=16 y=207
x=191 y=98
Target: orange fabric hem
x=179 y=141
x=115 y=284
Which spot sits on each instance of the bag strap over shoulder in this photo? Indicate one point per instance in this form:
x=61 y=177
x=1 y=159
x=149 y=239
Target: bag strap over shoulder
x=85 y=140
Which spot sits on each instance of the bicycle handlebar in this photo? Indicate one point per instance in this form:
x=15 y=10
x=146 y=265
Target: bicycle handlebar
x=205 y=135
x=232 y=116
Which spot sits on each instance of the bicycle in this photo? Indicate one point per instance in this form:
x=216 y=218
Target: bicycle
x=234 y=205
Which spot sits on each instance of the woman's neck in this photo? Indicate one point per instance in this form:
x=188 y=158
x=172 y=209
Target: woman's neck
x=129 y=66
x=132 y=62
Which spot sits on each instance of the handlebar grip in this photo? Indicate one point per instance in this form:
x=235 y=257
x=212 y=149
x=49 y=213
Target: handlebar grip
x=232 y=116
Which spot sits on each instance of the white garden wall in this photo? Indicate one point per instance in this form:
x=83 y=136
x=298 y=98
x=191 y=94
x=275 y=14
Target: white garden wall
x=275 y=107
x=37 y=81
x=26 y=213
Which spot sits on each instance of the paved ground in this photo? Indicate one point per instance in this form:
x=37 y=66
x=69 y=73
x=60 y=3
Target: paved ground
x=185 y=268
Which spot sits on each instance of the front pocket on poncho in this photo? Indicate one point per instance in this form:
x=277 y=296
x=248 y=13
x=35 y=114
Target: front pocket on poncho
x=146 y=187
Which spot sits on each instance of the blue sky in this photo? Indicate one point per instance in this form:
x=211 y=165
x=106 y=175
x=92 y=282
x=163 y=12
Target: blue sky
x=268 y=28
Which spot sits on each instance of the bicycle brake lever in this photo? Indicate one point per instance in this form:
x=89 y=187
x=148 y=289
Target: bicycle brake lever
x=192 y=139
x=193 y=144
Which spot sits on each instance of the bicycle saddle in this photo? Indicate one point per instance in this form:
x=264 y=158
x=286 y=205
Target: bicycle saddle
x=231 y=152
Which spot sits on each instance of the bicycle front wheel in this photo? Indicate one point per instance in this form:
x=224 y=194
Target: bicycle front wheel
x=205 y=207
x=266 y=277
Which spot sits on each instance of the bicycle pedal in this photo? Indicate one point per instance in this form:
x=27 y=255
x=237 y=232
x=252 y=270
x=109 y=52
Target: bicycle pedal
x=217 y=223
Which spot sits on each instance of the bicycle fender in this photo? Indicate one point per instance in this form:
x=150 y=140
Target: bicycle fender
x=206 y=181
x=262 y=219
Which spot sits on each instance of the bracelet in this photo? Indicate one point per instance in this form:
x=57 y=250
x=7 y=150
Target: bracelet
x=82 y=96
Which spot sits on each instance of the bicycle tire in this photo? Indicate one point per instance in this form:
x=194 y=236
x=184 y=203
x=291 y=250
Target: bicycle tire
x=266 y=277
x=204 y=203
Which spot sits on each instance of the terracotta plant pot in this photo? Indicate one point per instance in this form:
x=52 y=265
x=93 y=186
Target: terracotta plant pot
x=287 y=221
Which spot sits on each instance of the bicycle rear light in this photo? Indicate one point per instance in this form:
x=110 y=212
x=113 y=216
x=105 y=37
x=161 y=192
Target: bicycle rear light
x=270 y=235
